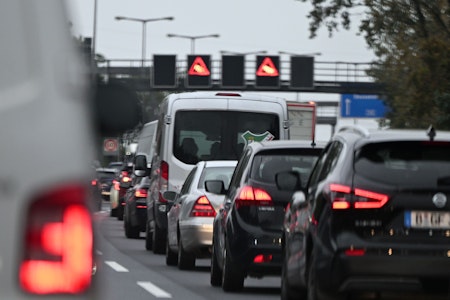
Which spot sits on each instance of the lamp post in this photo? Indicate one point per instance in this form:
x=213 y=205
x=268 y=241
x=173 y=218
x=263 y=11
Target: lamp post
x=144 y=23
x=193 y=38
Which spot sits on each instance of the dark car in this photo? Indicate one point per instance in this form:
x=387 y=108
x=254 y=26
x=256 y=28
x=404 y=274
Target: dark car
x=247 y=230
x=104 y=181
x=374 y=217
x=121 y=183
x=135 y=209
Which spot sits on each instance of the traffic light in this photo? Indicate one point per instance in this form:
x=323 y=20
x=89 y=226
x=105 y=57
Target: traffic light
x=164 y=71
x=267 y=71
x=198 y=72
x=302 y=72
x=233 y=71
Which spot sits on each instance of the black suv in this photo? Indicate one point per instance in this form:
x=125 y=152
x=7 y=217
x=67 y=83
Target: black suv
x=248 y=228
x=375 y=217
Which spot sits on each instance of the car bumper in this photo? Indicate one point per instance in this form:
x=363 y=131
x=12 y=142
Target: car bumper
x=196 y=234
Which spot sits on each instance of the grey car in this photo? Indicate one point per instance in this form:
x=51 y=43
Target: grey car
x=190 y=218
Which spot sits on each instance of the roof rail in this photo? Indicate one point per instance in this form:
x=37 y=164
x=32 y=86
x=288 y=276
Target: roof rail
x=355 y=129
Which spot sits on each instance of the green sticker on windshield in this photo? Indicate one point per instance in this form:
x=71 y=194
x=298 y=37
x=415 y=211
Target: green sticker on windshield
x=250 y=137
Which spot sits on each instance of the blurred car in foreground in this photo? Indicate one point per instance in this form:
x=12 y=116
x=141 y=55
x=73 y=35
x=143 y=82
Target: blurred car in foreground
x=190 y=218
x=248 y=228
x=47 y=237
x=375 y=216
x=135 y=208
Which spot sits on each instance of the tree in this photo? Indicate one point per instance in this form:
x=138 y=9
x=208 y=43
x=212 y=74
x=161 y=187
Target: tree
x=411 y=39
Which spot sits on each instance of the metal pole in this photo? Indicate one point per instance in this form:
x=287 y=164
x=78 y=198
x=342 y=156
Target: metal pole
x=94 y=32
x=192 y=45
x=144 y=23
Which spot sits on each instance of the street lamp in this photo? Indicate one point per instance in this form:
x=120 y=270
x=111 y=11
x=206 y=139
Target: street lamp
x=301 y=54
x=242 y=53
x=193 y=38
x=144 y=23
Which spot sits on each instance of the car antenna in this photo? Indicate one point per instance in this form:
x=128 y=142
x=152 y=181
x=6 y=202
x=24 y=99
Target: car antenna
x=431 y=132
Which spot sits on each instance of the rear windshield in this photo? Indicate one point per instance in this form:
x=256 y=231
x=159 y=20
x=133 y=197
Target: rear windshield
x=267 y=164
x=220 y=135
x=106 y=175
x=405 y=163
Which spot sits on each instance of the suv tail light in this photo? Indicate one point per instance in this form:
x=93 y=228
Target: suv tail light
x=203 y=208
x=140 y=193
x=343 y=197
x=250 y=196
x=163 y=180
x=58 y=250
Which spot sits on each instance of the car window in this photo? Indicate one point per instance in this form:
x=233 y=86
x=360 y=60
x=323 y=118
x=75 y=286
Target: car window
x=331 y=160
x=188 y=182
x=405 y=163
x=216 y=173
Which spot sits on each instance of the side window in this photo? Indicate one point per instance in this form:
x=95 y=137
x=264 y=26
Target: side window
x=188 y=182
x=240 y=169
x=314 y=178
x=331 y=160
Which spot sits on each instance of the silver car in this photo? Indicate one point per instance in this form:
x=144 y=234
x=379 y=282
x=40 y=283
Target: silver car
x=190 y=218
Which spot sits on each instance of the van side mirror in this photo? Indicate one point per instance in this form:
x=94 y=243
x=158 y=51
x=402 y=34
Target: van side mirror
x=140 y=165
x=215 y=187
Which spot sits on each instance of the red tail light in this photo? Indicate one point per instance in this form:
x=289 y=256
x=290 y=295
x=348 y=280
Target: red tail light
x=355 y=252
x=58 y=255
x=140 y=193
x=94 y=182
x=262 y=258
x=342 y=197
x=124 y=173
x=203 y=208
x=126 y=179
x=164 y=170
x=249 y=196
x=116 y=185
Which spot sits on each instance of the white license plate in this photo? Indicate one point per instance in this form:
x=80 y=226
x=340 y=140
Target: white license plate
x=427 y=219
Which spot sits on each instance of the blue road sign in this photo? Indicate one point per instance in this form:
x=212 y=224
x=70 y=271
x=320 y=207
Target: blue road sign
x=362 y=106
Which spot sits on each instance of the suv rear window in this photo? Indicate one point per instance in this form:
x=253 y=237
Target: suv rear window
x=405 y=163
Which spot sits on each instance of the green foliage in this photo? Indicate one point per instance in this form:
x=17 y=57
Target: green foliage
x=411 y=39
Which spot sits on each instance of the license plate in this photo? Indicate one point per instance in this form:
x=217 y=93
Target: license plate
x=427 y=219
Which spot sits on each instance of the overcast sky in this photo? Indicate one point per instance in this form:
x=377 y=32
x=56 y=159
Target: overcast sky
x=243 y=25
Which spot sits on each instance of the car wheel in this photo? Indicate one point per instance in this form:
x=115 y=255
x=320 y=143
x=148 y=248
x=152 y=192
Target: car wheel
x=120 y=212
x=159 y=241
x=287 y=291
x=130 y=231
x=148 y=238
x=232 y=275
x=313 y=291
x=113 y=212
x=171 y=257
x=216 y=272
x=186 y=261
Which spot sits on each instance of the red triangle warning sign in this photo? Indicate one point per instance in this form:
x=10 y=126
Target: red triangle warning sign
x=199 y=68
x=267 y=68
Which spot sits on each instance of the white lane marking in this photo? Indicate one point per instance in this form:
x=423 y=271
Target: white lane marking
x=153 y=289
x=116 y=267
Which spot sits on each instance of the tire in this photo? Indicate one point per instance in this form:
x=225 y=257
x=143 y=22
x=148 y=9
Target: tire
x=158 y=240
x=313 y=291
x=148 y=238
x=113 y=212
x=216 y=272
x=232 y=275
x=186 y=261
x=120 y=213
x=130 y=231
x=288 y=292
x=171 y=257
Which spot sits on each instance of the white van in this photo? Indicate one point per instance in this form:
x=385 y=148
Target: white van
x=199 y=126
x=146 y=140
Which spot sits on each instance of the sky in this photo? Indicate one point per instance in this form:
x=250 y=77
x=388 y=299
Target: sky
x=243 y=26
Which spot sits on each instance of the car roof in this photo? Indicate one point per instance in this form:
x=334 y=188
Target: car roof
x=220 y=163
x=106 y=170
x=284 y=144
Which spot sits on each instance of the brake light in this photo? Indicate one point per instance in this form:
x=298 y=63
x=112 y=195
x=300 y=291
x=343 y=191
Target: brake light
x=126 y=179
x=58 y=250
x=228 y=94
x=262 y=258
x=343 y=197
x=140 y=193
x=250 y=196
x=124 y=173
x=94 y=182
x=164 y=170
x=355 y=252
x=116 y=185
x=202 y=208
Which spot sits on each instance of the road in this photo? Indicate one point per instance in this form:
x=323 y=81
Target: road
x=126 y=270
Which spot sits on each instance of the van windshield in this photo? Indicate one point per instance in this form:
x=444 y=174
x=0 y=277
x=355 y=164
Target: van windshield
x=215 y=135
